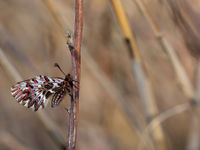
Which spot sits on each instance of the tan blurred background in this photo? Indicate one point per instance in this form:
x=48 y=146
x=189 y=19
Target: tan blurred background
x=32 y=40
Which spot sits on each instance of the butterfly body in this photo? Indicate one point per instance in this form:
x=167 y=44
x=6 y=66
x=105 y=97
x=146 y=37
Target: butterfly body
x=36 y=91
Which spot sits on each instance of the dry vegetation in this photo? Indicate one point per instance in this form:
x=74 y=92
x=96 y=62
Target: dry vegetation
x=118 y=109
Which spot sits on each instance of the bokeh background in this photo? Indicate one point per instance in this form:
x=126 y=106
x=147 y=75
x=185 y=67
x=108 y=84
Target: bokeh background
x=112 y=114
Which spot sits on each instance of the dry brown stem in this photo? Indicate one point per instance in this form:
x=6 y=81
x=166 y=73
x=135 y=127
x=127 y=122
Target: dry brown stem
x=76 y=61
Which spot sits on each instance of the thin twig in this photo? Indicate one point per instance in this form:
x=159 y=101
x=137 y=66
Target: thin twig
x=76 y=61
x=166 y=115
x=155 y=123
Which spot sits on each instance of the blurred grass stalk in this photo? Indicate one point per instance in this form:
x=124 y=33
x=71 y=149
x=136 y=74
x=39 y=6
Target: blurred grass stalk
x=194 y=134
x=119 y=99
x=53 y=130
x=143 y=84
x=168 y=49
x=182 y=18
x=193 y=140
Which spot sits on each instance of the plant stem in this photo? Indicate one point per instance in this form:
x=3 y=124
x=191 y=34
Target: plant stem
x=76 y=57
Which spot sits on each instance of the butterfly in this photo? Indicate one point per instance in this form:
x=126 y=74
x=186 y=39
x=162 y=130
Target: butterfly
x=34 y=93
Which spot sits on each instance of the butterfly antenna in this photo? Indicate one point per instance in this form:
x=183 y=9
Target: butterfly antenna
x=56 y=65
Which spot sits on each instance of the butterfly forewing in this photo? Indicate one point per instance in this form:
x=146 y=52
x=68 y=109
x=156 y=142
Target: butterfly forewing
x=35 y=92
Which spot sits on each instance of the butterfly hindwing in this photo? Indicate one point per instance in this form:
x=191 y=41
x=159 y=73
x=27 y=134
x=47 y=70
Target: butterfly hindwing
x=35 y=92
x=57 y=97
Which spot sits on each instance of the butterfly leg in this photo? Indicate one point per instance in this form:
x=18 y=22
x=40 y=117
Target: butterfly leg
x=70 y=92
x=75 y=81
x=68 y=109
x=73 y=84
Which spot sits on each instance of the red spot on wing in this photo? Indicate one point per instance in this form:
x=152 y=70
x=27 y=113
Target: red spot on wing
x=16 y=92
x=19 y=94
x=41 y=78
x=35 y=80
x=45 y=77
x=29 y=86
x=30 y=104
x=26 y=96
x=20 y=99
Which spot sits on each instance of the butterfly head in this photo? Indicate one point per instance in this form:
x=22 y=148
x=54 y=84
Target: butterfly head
x=68 y=78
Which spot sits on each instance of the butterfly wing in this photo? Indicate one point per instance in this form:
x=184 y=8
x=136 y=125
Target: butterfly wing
x=58 y=96
x=35 y=92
